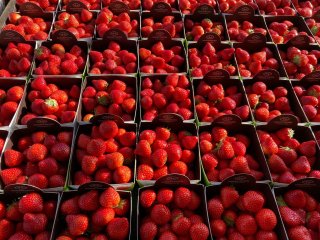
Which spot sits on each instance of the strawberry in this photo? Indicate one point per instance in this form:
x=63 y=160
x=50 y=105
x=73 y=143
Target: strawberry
x=160 y=214
x=13 y=158
x=182 y=197
x=298 y=232
x=215 y=208
x=148 y=230
x=229 y=196
x=290 y=217
x=89 y=201
x=109 y=198
x=103 y=216
x=31 y=203
x=147 y=198
x=113 y=228
x=10 y=176
x=246 y=224
x=264 y=216
x=199 y=231
x=225 y=150
x=77 y=224
x=34 y=223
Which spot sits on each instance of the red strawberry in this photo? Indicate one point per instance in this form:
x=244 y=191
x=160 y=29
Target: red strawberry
x=246 y=224
x=160 y=214
x=31 y=203
x=199 y=231
x=182 y=197
x=109 y=198
x=89 y=201
x=113 y=228
x=13 y=158
x=34 y=223
x=147 y=198
x=229 y=196
x=266 y=219
x=77 y=224
x=253 y=201
x=148 y=230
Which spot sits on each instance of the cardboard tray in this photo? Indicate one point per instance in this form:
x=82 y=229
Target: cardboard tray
x=114 y=35
x=271 y=79
x=307 y=82
x=86 y=129
x=61 y=82
x=162 y=78
x=173 y=181
x=233 y=125
x=215 y=41
x=206 y=11
x=60 y=223
x=174 y=123
x=302 y=134
x=298 y=22
x=247 y=14
x=215 y=77
x=118 y=7
x=68 y=40
x=12 y=36
x=34 y=11
x=254 y=43
x=13 y=192
x=244 y=183
x=158 y=12
x=79 y=4
x=130 y=81
x=302 y=43
x=164 y=37
x=73 y=7
x=5 y=84
x=37 y=124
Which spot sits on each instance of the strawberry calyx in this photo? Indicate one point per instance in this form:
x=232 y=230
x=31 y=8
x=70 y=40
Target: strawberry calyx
x=228 y=221
x=281 y=201
x=103 y=100
x=314 y=30
x=51 y=102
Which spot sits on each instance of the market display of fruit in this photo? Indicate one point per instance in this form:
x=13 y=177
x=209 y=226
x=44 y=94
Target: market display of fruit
x=159 y=119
